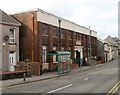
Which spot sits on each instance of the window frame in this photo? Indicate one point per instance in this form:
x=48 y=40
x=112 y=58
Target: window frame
x=12 y=39
x=62 y=33
x=69 y=35
x=55 y=31
x=44 y=29
x=75 y=35
x=62 y=48
x=44 y=54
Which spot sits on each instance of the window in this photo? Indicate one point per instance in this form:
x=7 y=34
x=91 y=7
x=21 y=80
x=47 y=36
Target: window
x=54 y=31
x=62 y=34
x=70 y=48
x=69 y=35
x=44 y=31
x=54 y=56
x=12 y=35
x=79 y=37
x=62 y=48
x=74 y=35
x=54 y=48
x=84 y=38
x=44 y=54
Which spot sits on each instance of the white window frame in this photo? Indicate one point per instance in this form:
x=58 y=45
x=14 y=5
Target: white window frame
x=62 y=48
x=44 y=55
x=54 y=48
x=55 y=56
x=12 y=40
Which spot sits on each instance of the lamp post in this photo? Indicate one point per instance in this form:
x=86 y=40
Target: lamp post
x=90 y=46
x=59 y=21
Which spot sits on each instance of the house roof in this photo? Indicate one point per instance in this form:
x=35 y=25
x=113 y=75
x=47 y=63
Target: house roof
x=111 y=40
x=116 y=39
x=7 y=19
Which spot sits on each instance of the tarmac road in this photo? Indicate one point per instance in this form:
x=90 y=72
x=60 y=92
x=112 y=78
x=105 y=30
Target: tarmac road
x=102 y=79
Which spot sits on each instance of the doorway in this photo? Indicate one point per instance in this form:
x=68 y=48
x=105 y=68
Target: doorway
x=77 y=57
x=12 y=61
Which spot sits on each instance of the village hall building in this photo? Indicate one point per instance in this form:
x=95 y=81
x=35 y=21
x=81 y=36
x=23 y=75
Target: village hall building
x=42 y=32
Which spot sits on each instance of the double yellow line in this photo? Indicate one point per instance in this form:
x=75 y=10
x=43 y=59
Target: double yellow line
x=114 y=89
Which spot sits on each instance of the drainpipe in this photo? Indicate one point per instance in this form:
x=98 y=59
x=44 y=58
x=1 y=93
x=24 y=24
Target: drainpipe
x=33 y=15
x=59 y=34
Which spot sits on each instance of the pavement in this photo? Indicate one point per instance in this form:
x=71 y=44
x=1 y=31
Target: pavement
x=93 y=79
x=44 y=76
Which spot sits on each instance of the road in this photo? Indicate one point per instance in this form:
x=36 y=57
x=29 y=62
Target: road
x=102 y=79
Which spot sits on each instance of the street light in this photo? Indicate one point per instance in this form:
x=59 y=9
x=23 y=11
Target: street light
x=90 y=45
x=59 y=21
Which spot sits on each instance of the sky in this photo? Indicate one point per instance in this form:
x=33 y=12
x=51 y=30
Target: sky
x=100 y=15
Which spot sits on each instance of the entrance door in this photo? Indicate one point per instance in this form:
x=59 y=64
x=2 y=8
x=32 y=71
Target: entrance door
x=12 y=61
x=77 y=57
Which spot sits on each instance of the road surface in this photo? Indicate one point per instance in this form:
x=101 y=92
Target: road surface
x=102 y=79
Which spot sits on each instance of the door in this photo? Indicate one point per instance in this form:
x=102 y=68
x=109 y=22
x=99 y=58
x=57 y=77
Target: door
x=12 y=61
x=77 y=57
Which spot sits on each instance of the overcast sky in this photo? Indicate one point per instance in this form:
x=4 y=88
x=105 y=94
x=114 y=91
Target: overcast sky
x=100 y=15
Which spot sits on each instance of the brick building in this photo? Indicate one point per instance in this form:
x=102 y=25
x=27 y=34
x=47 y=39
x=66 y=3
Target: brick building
x=100 y=49
x=39 y=34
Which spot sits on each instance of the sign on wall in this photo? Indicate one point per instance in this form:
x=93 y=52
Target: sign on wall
x=78 y=43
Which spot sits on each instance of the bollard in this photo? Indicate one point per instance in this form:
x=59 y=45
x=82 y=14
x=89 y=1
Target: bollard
x=24 y=76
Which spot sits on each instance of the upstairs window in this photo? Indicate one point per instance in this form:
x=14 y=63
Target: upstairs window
x=62 y=48
x=12 y=35
x=79 y=37
x=62 y=34
x=74 y=35
x=44 y=31
x=70 y=48
x=84 y=38
x=69 y=35
x=54 y=48
x=55 y=31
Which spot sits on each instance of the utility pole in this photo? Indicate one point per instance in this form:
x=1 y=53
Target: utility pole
x=59 y=21
x=90 y=45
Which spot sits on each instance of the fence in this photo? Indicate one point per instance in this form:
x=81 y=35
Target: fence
x=34 y=68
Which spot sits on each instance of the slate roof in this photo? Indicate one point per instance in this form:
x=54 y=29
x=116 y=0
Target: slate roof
x=111 y=40
x=7 y=19
x=116 y=39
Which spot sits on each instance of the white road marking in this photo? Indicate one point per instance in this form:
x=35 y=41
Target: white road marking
x=86 y=78
x=60 y=88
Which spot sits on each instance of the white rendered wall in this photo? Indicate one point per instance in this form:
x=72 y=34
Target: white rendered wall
x=53 y=20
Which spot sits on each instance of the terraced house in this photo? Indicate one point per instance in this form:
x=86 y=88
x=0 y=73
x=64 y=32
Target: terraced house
x=9 y=42
x=42 y=32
